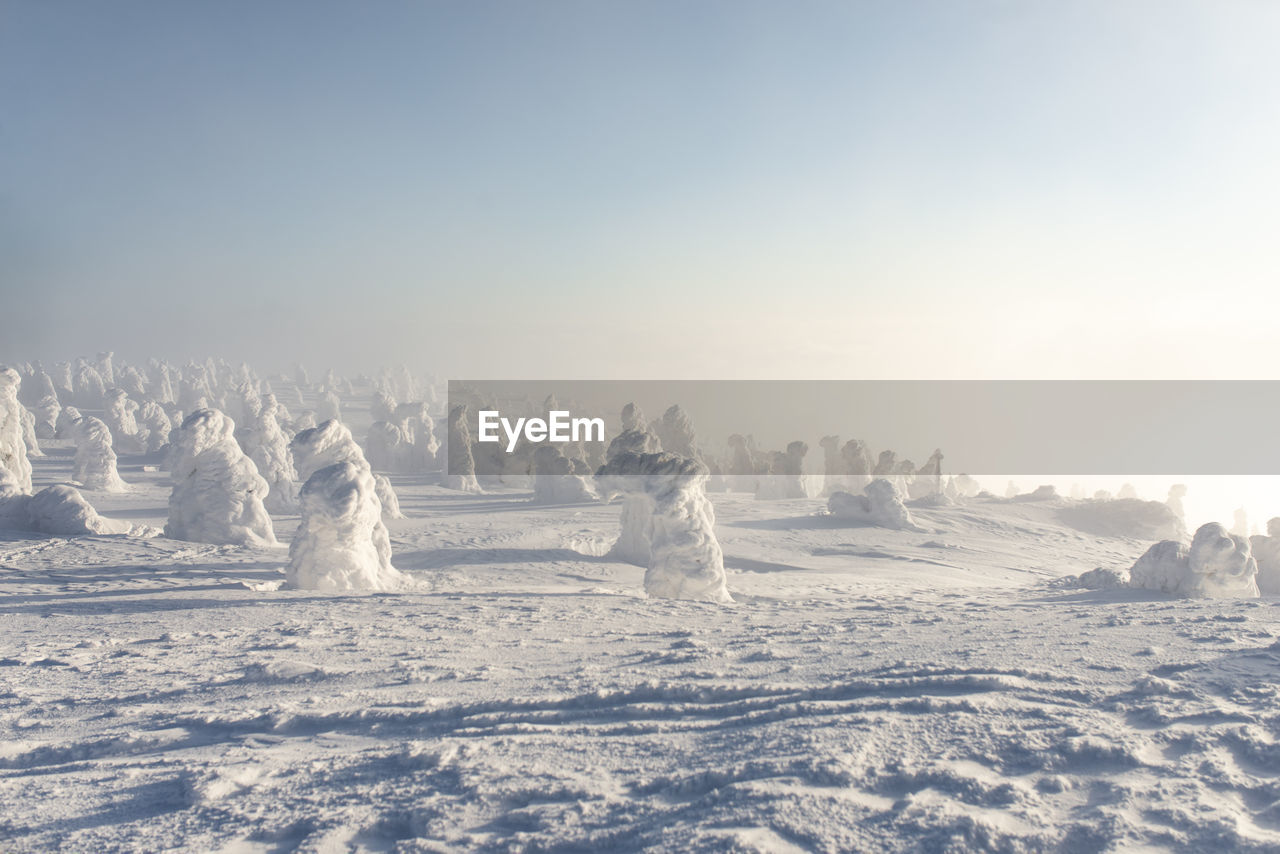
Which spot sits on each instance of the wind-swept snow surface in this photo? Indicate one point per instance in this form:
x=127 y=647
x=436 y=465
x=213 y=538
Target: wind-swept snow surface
x=217 y=492
x=334 y=548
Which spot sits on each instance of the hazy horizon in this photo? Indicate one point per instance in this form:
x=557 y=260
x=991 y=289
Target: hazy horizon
x=725 y=190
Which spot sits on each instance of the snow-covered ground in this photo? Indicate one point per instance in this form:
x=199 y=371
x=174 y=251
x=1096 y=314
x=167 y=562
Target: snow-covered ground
x=870 y=690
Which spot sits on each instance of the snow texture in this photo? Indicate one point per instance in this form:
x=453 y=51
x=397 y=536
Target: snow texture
x=217 y=492
x=322 y=446
x=334 y=549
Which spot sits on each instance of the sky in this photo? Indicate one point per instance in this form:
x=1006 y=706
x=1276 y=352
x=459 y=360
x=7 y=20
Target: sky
x=663 y=190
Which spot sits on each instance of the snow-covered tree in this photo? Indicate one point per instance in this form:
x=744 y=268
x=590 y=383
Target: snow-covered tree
x=95 y=460
x=13 y=449
x=217 y=492
x=685 y=559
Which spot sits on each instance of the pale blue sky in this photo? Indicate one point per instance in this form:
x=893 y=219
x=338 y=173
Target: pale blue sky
x=716 y=189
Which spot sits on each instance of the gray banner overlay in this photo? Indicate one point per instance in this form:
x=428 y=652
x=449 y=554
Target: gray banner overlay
x=1133 y=427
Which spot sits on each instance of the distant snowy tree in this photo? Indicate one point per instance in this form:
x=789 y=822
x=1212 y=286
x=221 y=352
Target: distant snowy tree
x=95 y=460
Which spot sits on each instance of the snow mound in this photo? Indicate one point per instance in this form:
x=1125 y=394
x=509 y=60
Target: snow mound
x=881 y=505
x=685 y=560
x=1103 y=578
x=62 y=511
x=217 y=492
x=337 y=544
x=1125 y=517
x=1217 y=565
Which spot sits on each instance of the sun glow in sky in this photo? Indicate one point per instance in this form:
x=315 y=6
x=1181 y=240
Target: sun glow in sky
x=713 y=189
